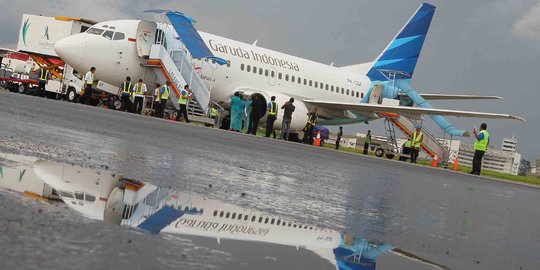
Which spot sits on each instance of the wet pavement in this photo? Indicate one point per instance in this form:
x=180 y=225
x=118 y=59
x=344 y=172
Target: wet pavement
x=461 y=221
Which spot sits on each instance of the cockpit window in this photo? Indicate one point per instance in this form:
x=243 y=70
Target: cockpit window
x=108 y=34
x=119 y=36
x=95 y=31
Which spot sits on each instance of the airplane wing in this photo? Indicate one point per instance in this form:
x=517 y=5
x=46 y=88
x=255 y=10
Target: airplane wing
x=364 y=108
x=454 y=97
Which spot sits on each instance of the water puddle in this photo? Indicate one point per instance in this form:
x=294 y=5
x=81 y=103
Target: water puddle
x=235 y=231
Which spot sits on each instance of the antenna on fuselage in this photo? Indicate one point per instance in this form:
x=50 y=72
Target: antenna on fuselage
x=255 y=42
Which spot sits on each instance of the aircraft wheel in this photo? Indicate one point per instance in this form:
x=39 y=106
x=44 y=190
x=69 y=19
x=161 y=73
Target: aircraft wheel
x=390 y=156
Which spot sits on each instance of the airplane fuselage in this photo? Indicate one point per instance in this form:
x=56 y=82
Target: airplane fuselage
x=251 y=69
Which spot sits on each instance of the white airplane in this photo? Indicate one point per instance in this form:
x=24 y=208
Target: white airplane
x=343 y=95
x=105 y=196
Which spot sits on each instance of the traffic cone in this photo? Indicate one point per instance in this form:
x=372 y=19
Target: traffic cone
x=455 y=166
x=435 y=162
x=318 y=139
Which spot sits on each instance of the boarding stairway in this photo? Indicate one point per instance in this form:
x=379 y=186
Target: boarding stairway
x=387 y=92
x=430 y=144
x=177 y=67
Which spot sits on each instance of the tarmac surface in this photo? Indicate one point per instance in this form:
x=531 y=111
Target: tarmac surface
x=456 y=220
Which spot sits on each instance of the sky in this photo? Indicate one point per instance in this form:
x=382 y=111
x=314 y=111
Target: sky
x=481 y=47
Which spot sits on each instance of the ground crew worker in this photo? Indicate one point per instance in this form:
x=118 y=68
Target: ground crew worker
x=406 y=149
x=416 y=143
x=44 y=76
x=185 y=95
x=480 y=146
x=139 y=91
x=88 y=83
x=164 y=94
x=288 y=109
x=156 y=99
x=313 y=118
x=367 y=142
x=272 y=108
x=338 y=139
x=124 y=91
x=213 y=115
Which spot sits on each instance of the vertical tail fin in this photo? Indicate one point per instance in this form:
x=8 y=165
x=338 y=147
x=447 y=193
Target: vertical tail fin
x=403 y=51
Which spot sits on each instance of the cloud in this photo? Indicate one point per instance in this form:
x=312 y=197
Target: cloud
x=528 y=26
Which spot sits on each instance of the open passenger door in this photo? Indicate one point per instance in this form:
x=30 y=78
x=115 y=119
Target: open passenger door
x=146 y=35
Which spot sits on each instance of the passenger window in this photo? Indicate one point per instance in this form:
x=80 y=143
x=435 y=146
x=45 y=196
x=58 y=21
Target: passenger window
x=241 y=66
x=362 y=95
x=233 y=216
x=273 y=74
x=305 y=81
x=347 y=92
x=316 y=84
x=239 y=216
x=266 y=220
x=272 y=221
x=94 y=31
x=119 y=36
x=89 y=198
x=299 y=80
x=287 y=77
x=248 y=68
x=342 y=91
x=221 y=214
x=260 y=71
x=310 y=82
x=352 y=93
x=108 y=35
x=246 y=217
x=332 y=88
x=215 y=213
x=253 y=218
x=260 y=219
x=326 y=87
x=266 y=72
x=279 y=76
x=254 y=69
x=65 y=194
x=79 y=196
x=227 y=215
x=278 y=222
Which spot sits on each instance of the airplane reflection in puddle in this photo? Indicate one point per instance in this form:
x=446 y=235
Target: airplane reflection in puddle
x=109 y=197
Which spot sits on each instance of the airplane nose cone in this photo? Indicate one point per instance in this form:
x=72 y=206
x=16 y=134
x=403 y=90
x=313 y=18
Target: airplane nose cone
x=71 y=49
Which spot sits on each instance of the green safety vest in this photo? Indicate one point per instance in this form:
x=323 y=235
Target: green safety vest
x=127 y=88
x=367 y=139
x=273 y=109
x=407 y=144
x=182 y=100
x=43 y=74
x=91 y=81
x=165 y=94
x=139 y=89
x=483 y=144
x=417 y=139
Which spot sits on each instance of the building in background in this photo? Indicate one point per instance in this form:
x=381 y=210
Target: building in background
x=537 y=171
x=509 y=144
